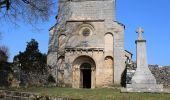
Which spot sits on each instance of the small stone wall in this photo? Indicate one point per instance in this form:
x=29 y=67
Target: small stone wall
x=9 y=73
x=33 y=79
x=161 y=73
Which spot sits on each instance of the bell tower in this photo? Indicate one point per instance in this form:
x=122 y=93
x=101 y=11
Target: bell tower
x=87 y=33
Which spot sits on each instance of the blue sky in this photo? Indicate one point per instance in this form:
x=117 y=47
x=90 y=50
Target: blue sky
x=152 y=15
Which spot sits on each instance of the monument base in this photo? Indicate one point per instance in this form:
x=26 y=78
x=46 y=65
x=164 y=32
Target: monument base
x=144 y=88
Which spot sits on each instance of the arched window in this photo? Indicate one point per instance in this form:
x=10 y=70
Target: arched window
x=108 y=42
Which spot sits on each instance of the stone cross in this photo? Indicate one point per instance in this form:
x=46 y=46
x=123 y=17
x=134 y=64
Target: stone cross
x=140 y=31
x=143 y=80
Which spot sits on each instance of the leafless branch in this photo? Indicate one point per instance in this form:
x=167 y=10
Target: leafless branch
x=28 y=11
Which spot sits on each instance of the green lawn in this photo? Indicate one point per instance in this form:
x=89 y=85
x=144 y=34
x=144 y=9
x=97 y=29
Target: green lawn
x=95 y=94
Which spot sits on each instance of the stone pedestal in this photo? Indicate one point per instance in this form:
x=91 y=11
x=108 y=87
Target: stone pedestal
x=143 y=80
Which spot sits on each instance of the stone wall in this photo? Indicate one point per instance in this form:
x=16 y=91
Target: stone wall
x=161 y=73
x=10 y=76
x=33 y=79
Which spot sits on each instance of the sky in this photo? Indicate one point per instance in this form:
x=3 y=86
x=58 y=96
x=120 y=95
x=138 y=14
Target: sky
x=152 y=15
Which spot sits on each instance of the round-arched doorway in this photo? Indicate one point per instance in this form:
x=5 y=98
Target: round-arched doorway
x=84 y=73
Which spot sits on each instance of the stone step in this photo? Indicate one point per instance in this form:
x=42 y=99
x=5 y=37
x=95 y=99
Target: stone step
x=144 y=88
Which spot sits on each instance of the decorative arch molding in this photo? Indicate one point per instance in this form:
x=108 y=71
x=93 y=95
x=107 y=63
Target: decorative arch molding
x=60 y=57
x=108 y=33
x=83 y=59
x=110 y=57
x=61 y=35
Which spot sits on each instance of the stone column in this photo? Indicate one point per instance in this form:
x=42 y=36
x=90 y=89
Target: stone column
x=143 y=80
x=143 y=74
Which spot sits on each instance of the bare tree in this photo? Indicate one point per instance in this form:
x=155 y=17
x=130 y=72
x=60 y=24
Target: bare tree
x=30 y=11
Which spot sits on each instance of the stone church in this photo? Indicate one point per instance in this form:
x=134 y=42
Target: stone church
x=86 y=45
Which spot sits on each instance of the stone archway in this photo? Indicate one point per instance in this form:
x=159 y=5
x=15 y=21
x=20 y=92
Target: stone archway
x=83 y=73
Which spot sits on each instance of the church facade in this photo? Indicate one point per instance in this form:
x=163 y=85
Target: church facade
x=86 y=45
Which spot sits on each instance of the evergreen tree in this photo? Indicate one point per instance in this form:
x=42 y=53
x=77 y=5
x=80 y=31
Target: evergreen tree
x=32 y=60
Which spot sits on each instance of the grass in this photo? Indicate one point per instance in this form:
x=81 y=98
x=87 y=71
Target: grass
x=94 y=94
